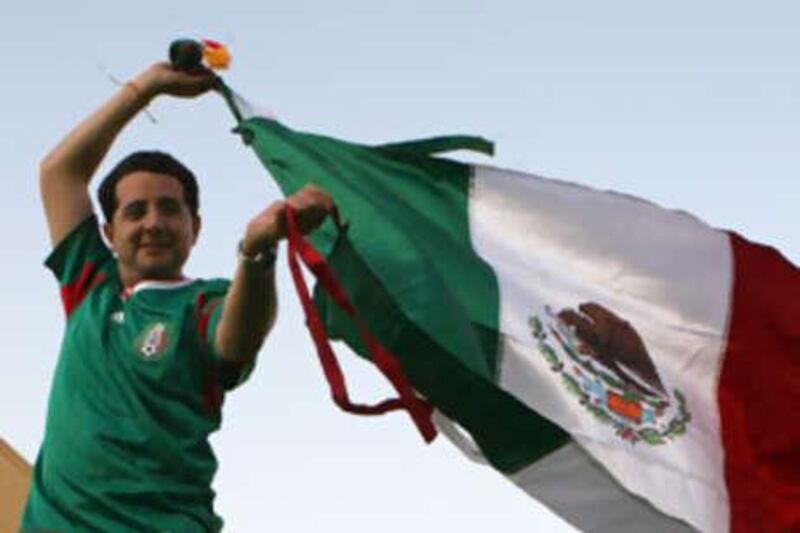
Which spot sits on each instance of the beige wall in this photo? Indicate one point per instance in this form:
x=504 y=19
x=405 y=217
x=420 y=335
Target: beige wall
x=15 y=475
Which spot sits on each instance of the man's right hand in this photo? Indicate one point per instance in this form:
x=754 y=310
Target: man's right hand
x=163 y=78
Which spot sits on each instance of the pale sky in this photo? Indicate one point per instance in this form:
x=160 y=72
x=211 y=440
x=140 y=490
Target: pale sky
x=692 y=105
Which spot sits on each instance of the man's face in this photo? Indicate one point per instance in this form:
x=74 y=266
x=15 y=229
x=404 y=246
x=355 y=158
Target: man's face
x=152 y=230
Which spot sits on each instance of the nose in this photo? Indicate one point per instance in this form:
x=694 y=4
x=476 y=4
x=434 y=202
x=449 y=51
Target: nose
x=153 y=220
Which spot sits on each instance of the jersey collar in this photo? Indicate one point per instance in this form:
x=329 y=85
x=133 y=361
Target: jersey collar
x=155 y=284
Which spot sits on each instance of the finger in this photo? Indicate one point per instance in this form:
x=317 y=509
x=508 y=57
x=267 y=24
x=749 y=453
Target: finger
x=310 y=220
x=307 y=216
x=201 y=71
x=311 y=202
x=199 y=81
x=311 y=195
x=277 y=213
x=311 y=205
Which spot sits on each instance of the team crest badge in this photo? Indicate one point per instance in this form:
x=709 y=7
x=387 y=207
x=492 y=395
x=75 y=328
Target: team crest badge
x=603 y=362
x=153 y=341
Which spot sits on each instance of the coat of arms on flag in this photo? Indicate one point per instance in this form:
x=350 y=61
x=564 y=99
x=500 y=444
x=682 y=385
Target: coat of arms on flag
x=603 y=361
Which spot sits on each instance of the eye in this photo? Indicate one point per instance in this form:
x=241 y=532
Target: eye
x=134 y=210
x=169 y=206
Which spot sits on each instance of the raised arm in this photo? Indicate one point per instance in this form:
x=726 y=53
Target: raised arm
x=66 y=171
x=250 y=307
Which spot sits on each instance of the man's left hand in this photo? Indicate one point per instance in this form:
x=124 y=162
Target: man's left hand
x=311 y=205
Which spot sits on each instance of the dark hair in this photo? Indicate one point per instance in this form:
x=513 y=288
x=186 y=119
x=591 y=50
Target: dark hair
x=147 y=161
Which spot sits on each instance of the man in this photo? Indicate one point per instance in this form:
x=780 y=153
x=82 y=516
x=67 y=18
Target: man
x=147 y=352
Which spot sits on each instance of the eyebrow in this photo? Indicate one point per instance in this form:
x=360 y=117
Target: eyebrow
x=133 y=205
x=163 y=201
x=168 y=200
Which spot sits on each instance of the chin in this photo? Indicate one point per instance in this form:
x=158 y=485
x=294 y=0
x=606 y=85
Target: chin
x=158 y=271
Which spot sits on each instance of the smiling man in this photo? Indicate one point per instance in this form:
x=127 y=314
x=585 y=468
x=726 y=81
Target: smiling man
x=148 y=353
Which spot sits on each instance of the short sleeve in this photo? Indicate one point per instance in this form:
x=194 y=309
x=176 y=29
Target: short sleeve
x=79 y=263
x=230 y=375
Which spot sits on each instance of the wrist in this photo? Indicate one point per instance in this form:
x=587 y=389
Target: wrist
x=262 y=254
x=144 y=87
x=259 y=235
x=251 y=244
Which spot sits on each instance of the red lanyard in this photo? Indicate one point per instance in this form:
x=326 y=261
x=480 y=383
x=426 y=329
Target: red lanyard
x=419 y=409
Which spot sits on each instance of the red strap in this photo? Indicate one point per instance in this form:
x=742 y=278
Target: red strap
x=419 y=410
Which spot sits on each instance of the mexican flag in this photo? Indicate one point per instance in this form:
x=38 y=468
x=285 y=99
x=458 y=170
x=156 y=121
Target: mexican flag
x=629 y=366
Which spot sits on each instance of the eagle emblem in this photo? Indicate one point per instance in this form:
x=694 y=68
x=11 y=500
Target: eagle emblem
x=603 y=361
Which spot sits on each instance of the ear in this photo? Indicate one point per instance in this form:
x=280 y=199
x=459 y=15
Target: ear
x=197 y=223
x=108 y=232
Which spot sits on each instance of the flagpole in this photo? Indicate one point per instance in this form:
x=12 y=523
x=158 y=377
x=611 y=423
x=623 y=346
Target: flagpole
x=227 y=95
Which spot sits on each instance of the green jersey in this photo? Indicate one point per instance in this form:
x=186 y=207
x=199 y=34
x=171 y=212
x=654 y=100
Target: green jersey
x=136 y=392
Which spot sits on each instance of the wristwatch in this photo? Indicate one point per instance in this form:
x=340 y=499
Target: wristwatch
x=265 y=257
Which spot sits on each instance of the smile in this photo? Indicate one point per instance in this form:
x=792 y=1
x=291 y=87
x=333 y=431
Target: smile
x=154 y=246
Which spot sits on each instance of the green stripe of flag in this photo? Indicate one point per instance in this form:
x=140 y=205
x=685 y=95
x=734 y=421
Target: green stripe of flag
x=408 y=264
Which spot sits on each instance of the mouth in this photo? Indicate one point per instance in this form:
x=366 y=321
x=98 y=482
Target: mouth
x=154 y=247
x=154 y=240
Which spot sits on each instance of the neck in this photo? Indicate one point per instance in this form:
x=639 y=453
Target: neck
x=130 y=280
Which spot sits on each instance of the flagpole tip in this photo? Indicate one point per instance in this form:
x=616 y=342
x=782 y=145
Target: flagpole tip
x=185 y=54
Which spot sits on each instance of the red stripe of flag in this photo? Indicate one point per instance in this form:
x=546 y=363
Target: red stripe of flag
x=759 y=391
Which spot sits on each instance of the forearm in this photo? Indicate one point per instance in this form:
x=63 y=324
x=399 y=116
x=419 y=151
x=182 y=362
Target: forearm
x=250 y=306
x=248 y=313
x=79 y=154
x=65 y=172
